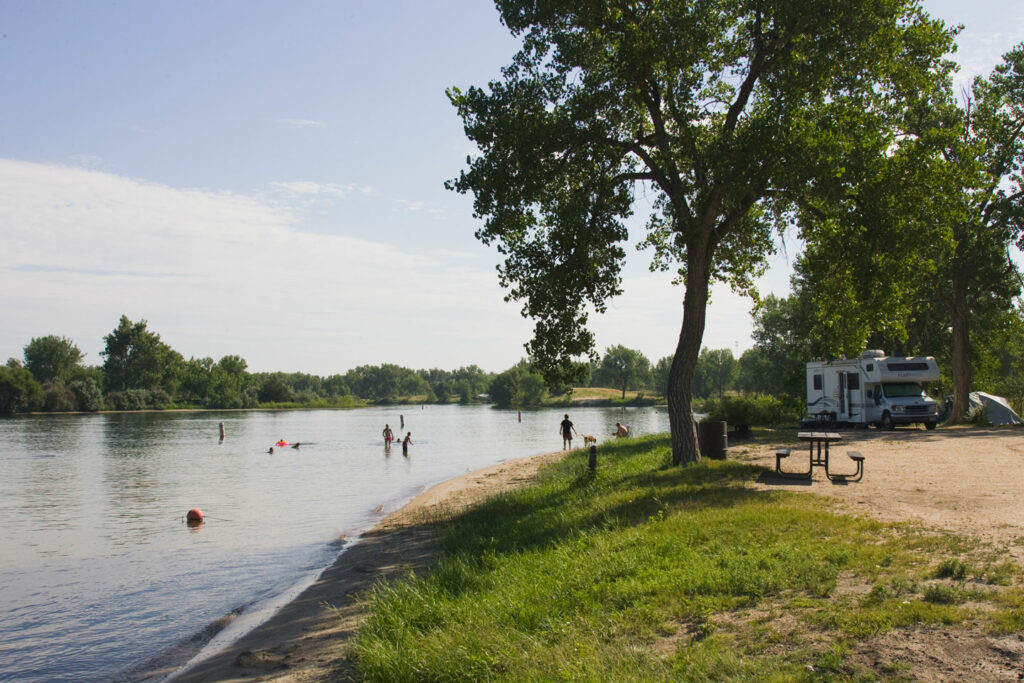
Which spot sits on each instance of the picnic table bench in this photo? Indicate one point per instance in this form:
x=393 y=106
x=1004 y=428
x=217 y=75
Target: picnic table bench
x=818 y=455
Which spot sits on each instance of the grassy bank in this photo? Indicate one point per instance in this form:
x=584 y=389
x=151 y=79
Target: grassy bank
x=648 y=572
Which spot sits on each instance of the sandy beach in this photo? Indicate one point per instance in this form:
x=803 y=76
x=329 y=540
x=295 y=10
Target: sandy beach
x=964 y=480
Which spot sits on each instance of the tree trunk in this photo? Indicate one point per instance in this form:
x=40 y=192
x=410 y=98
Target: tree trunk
x=680 y=379
x=961 y=354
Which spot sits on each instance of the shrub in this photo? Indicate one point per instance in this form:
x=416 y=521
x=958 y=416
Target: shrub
x=58 y=398
x=976 y=415
x=952 y=569
x=87 y=394
x=758 y=409
x=129 y=399
x=941 y=594
x=19 y=390
x=158 y=399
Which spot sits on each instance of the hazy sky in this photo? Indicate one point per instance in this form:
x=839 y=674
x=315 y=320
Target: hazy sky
x=266 y=179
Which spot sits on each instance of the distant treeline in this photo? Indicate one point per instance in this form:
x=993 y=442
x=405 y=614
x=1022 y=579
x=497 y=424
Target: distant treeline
x=142 y=372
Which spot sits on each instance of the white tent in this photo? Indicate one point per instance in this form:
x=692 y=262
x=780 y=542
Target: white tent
x=997 y=409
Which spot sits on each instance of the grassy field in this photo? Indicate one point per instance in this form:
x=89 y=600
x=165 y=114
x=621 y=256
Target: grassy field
x=605 y=396
x=650 y=572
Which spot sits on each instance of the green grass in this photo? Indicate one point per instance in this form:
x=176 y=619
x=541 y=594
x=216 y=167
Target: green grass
x=646 y=571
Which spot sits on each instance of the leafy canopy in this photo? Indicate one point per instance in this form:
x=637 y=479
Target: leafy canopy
x=724 y=114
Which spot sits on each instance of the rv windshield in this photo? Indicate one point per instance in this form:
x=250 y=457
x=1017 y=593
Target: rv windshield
x=902 y=389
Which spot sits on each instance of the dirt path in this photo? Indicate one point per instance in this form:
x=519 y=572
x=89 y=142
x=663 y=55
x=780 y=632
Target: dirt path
x=966 y=480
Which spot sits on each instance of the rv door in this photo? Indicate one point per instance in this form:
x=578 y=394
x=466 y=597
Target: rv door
x=854 y=398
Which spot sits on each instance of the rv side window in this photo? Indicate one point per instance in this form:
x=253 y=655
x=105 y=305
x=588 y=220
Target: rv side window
x=870 y=367
x=852 y=381
x=817 y=382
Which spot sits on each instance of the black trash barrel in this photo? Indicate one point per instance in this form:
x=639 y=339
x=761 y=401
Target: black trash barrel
x=713 y=438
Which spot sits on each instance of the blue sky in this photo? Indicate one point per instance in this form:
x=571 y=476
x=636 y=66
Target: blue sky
x=266 y=179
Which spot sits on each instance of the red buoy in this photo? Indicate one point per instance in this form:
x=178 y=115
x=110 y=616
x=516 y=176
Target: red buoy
x=194 y=515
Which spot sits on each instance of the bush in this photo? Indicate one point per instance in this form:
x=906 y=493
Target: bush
x=158 y=399
x=19 y=390
x=976 y=415
x=758 y=409
x=58 y=398
x=87 y=394
x=129 y=399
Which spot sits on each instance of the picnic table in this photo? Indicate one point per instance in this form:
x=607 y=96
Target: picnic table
x=818 y=454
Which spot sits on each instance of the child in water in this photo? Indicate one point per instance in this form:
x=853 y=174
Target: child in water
x=405 y=443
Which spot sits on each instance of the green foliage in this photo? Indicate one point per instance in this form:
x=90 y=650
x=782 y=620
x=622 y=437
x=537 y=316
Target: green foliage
x=716 y=372
x=128 y=399
x=977 y=416
x=88 y=395
x=135 y=358
x=19 y=390
x=925 y=240
x=759 y=409
x=727 y=116
x=783 y=343
x=659 y=375
x=520 y=385
x=52 y=359
x=58 y=398
x=533 y=389
x=953 y=568
x=275 y=390
x=943 y=594
x=645 y=572
x=623 y=369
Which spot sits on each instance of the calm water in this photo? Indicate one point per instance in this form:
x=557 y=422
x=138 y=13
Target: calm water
x=100 y=573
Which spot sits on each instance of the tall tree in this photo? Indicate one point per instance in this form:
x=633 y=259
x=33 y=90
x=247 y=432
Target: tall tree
x=716 y=372
x=783 y=337
x=934 y=226
x=135 y=358
x=19 y=390
x=52 y=358
x=977 y=275
x=729 y=111
x=624 y=368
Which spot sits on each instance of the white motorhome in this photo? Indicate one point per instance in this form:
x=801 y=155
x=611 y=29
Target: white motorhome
x=873 y=389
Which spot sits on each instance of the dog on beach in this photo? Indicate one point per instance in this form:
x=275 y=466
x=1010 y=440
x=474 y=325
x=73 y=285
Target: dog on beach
x=589 y=440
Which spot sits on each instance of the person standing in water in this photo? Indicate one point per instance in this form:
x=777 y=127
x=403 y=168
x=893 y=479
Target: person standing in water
x=405 y=443
x=567 y=432
x=389 y=436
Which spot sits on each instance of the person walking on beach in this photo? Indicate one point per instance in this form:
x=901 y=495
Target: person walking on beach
x=567 y=432
x=389 y=436
x=405 y=443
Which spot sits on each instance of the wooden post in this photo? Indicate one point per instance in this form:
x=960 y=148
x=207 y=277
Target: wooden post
x=593 y=459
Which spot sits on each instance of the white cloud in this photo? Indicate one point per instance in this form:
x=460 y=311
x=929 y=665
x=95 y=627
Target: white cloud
x=304 y=123
x=87 y=160
x=219 y=273
x=308 y=189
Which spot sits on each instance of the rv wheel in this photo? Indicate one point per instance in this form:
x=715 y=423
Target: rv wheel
x=929 y=425
x=887 y=422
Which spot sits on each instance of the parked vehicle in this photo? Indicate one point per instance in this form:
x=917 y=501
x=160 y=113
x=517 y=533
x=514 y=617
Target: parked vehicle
x=874 y=389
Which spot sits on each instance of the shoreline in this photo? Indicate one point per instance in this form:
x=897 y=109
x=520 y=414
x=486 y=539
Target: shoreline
x=304 y=639
x=963 y=480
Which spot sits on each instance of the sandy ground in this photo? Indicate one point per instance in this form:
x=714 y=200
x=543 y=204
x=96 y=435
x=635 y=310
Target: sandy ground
x=965 y=480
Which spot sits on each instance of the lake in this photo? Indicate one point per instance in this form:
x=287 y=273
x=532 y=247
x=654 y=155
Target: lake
x=102 y=574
